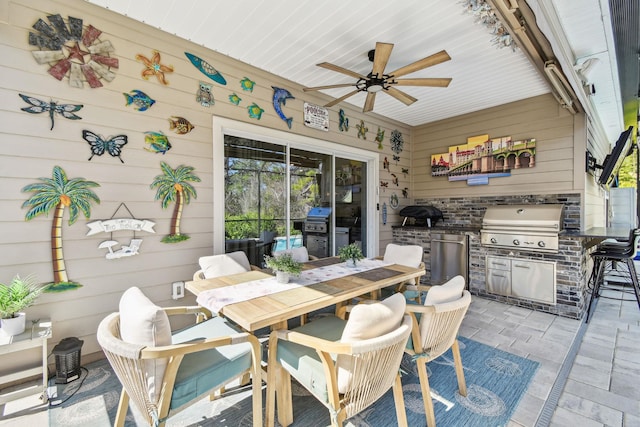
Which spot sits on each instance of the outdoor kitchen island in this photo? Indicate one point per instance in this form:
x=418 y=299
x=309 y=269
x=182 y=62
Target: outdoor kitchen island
x=566 y=271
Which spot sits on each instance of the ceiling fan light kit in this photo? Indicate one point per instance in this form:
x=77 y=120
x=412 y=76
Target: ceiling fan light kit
x=379 y=81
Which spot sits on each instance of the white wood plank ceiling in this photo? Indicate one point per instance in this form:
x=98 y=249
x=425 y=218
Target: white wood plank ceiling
x=289 y=37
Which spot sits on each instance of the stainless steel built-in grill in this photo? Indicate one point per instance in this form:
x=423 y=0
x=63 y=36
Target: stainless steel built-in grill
x=524 y=227
x=315 y=232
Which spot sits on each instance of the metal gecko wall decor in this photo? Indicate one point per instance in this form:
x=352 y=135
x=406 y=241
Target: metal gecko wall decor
x=117 y=224
x=73 y=51
x=38 y=106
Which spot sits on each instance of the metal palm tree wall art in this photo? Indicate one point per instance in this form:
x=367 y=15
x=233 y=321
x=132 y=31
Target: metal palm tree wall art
x=59 y=193
x=173 y=186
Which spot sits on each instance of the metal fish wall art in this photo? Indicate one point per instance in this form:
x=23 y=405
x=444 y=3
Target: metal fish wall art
x=141 y=100
x=280 y=97
x=180 y=125
x=380 y=137
x=158 y=142
x=38 y=106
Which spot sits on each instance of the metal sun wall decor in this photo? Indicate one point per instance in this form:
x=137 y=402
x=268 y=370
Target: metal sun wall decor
x=343 y=124
x=362 y=130
x=38 y=106
x=247 y=84
x=158 y=142
x=118 y=224
x=255 y=112
x=380 y=137
x=173 y=186
x=153 y=67
x=482 y=158
x=141 y=100
x=73 y=51
x=280 y=97
x=58 y=193
x=205 y=94
x=205 y=68
x=112 y=145
x=180 y=125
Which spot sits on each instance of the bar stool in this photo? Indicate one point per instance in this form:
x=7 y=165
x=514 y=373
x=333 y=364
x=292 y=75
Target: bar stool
x=614 y=253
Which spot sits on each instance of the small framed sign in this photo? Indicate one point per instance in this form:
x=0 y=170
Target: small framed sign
x=316 y=116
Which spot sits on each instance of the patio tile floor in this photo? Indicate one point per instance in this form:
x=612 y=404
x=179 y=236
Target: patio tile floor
x=603 y=384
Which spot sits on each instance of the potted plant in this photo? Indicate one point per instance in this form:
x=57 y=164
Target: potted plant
x=284 y=266
x=14 y=298
x=350 y=254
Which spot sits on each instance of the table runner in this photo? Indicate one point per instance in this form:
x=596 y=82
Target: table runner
x=215 y=299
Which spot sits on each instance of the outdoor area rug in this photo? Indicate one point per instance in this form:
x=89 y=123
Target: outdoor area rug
x=496 y=381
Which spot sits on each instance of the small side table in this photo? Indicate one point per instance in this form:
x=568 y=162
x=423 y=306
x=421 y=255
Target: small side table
x=36 y=335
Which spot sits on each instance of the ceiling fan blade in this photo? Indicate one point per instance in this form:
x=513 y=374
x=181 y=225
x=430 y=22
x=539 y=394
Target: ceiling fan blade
x=368 y=103
x=401 y=96
x=429 y=61
x=433 y=82
x=308 y=89
x=342 y=98
x=339 y=69
x=381 y=57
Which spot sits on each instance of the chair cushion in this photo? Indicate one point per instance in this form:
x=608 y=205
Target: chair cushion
x=303 y=363
x=224 y=264
x=142 y=322
x=207 y=370
x=368 y=321
x=298 y=254
x=447 y=292
x=409 y=255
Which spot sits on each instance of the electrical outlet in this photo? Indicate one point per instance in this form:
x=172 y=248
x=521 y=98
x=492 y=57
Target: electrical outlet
x=177 y=290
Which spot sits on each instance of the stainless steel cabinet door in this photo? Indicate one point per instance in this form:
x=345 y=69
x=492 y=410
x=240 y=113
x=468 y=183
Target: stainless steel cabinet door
x=534 y=280
x=499 y=281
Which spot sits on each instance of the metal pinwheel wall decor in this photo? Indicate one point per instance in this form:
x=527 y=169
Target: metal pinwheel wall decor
x=73 y=51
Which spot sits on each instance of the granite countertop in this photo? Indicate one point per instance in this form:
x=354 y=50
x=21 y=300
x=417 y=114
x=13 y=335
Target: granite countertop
x=599 y=233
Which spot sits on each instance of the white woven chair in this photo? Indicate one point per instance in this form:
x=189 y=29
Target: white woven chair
x=166 y=374
x=407 y=255
x=339 y=363
x=300 y=254
x=435 y=330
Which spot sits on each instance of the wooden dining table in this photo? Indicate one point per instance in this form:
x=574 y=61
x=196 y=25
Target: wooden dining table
x=275 y=309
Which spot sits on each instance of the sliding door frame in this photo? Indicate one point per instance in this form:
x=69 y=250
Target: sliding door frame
x=223 y=126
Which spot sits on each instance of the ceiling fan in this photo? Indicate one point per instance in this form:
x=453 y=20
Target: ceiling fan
x=379 y=81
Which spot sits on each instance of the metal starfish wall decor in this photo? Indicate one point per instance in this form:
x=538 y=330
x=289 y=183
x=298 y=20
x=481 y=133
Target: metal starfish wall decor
x=73 y=51
x=153 y=67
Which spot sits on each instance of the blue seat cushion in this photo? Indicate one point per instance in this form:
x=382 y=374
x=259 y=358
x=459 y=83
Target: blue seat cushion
x=303 y=363
x=201 y=372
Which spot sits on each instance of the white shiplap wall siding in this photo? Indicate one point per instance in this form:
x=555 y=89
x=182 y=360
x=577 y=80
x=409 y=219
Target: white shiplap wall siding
x=29 y=150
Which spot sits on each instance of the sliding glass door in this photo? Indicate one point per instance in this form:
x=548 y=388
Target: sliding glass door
x=273 y=187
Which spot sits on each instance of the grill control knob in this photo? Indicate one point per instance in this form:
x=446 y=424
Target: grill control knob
x=516 y=242
x=494 y=240
x=542 y=244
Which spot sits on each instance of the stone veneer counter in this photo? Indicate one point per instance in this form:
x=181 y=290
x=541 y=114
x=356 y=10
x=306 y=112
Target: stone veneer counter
x=463 y=215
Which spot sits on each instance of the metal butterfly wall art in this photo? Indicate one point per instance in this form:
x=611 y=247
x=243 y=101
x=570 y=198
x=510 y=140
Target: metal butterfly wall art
x=39 y=106
x=112 y=145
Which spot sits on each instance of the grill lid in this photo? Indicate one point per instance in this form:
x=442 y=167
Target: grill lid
x=524 y=217
x=318 y=214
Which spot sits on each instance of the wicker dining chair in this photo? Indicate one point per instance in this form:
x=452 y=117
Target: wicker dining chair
x=346 y=364
x=435 y=330
x=163 y=372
